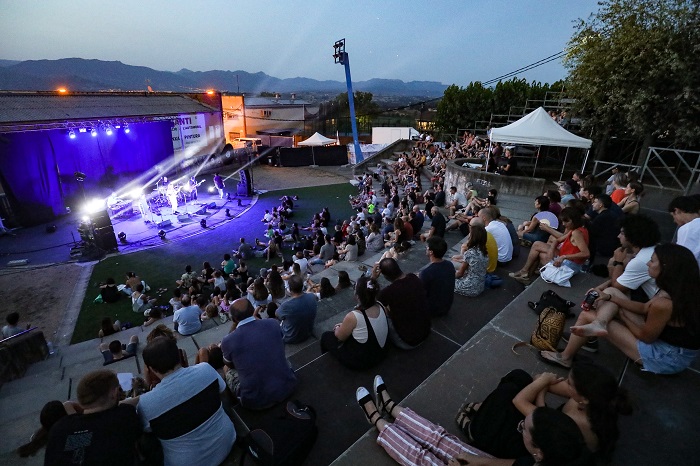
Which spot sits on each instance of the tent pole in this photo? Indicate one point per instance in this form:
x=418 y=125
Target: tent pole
x=488 y=155
x=566 y=156
x=585 y=160
x=536 y=160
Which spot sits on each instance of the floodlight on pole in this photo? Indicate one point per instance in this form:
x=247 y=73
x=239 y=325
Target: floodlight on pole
x=341 y=56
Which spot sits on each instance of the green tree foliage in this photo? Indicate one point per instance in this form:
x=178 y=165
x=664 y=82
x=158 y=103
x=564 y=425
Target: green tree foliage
x=634 y=68
x=462 y=107
x=363 y=104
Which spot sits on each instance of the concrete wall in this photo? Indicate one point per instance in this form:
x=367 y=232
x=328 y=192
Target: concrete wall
x=456 y=175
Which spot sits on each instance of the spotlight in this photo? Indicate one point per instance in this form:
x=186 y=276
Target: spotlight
x=85 y=218
x=228 y=213
x=82 y=130
x=122 y=237
x=117 y=126
x=211 y=189
x=135 y=194
x=108 y=130
x=71 y=134
x=203 y=223
x=126 y=128
x=94 y=206
x=93 y=132
x=161 y=233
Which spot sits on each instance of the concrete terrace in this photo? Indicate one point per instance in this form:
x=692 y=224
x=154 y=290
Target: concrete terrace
x=466 y=354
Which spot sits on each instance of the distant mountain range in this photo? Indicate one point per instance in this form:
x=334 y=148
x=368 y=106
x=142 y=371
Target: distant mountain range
x=79 y=74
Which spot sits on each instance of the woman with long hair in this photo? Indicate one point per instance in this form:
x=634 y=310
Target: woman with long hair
x=275 y=284
x=471 y=276
x=359 y=341
x=663 y=334
x=547 y=436
x=569 y=248
x=258 y=293
x=593 y=402
x=343 y=281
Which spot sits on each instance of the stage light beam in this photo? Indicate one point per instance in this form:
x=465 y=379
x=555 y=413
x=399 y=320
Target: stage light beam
x=94 y=206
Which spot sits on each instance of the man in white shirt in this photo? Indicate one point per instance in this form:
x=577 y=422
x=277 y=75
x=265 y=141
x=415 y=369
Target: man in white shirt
x=457 y=200
x=685 y=211
x=500 y=234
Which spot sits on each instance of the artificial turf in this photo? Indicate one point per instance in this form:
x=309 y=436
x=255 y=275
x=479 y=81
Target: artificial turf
x=161 y=266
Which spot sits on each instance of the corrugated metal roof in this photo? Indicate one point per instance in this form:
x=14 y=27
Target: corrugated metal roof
x=25 y=108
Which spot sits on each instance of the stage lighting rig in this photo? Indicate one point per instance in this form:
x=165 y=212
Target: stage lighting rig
x=126 y=128
x=122 y=237
x=203 y=223
x=93 y=132
x=71 y=134
x=162 y=234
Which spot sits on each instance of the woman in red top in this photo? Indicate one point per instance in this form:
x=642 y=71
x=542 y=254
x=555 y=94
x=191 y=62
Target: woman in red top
x=569 y=248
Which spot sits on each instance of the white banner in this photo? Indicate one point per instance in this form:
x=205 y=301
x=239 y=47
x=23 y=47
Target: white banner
x=188 y=130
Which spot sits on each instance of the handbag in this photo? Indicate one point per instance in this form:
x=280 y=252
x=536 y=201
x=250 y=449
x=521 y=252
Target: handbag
x=547 y=332
x=557 y=275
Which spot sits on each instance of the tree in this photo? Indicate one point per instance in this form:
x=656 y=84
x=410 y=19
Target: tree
x=363 y=103
x=634 y=68
x=461 y=107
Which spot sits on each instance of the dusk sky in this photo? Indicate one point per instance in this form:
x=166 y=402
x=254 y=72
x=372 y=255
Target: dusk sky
x=453 y=42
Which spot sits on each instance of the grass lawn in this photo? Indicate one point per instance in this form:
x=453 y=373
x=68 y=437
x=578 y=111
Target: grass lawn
x=161 y=266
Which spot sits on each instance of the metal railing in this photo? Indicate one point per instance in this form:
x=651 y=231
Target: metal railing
x=680 y=167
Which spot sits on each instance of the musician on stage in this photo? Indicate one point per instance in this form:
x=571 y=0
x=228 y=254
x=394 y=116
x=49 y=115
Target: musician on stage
x=193 y=187
x=219 y=183
x=172 y=197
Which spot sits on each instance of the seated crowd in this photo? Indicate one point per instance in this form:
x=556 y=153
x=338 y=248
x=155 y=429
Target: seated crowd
x=645 y=309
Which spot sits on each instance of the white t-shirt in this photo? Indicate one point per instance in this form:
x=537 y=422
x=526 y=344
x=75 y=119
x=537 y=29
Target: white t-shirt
x=460 y=198
x=303 y=263
x=689 y=236
x=503 y=241
x=379 y=325
x=636 y=273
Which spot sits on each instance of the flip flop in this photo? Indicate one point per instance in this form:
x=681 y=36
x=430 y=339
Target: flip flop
x=554 y=359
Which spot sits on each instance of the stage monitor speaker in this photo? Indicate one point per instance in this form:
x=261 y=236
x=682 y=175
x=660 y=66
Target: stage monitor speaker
x=245 y=187
x=105 y=239
x=201 y=211
x=51 y=229
x=211 y=205
x=164 y=223
x=101 y=219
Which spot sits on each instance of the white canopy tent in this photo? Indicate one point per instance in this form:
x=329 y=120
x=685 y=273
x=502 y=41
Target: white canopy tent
x=316 y=140
x=537 y=128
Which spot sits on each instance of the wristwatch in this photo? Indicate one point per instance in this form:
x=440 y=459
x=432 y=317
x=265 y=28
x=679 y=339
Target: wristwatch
x=616 y=263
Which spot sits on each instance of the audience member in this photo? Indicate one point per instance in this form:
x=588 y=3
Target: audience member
x=359 y=341
x=109 y=291
x=471 y=276
x=114 y=351
x=107 y=327
x=298 y=313
x=186 y=320
x=438 y=278
x=685 y=211
x=258 y=373
x=405 y=305
x=104 y=433
x=184 y=409
x=12 y=328
x=500 y=234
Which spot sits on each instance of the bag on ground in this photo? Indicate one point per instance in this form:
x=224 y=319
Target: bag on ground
x=286 y=439
x=557 y=275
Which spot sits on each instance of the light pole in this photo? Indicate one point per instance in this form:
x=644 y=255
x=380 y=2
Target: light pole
x=341 y=57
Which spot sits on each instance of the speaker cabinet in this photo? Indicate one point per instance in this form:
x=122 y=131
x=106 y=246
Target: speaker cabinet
x=105 y=239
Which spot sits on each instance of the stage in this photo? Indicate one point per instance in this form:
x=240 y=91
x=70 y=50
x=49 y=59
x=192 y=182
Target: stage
x=39 y=246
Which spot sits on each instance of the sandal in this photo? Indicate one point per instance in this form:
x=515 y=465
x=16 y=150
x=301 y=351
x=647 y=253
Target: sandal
x=363 y=397
x=532 y=305
x=384 y=403
x=464 y=415
x=554 y=358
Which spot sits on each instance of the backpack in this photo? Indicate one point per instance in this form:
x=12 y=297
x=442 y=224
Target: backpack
x=284 y=440
x=551 y=299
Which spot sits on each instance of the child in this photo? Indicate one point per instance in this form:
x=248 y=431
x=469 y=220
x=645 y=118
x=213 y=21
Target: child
x=12 y=328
